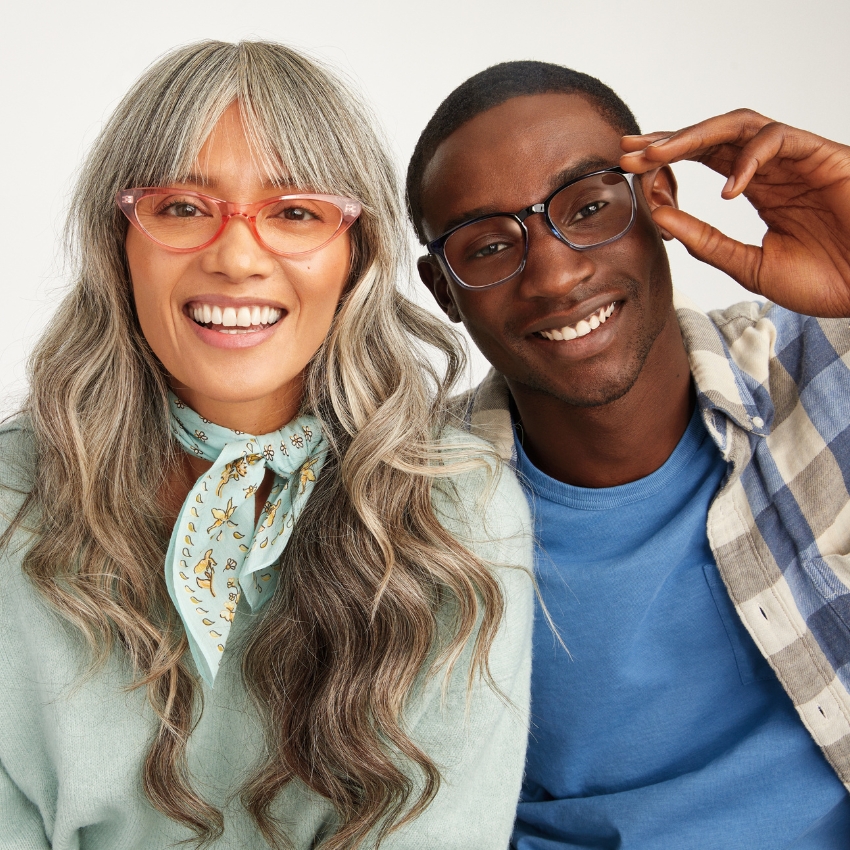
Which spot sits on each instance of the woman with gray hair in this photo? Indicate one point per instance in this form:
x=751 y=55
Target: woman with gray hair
x=256 y=592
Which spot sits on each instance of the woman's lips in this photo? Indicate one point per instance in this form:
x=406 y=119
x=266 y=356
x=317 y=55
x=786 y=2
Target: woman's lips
x=232 y=319
x=229 y=326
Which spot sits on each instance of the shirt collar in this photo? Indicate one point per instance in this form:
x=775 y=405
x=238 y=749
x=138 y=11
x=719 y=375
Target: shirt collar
x=725 y=391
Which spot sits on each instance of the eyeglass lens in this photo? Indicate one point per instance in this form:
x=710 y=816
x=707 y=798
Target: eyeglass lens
x=586 y=213
x=289 y=226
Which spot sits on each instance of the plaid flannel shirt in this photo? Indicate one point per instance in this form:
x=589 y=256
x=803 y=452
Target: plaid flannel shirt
x=773 y=388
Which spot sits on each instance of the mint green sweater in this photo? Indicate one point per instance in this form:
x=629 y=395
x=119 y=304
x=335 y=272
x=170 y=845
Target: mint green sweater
x=72 y=748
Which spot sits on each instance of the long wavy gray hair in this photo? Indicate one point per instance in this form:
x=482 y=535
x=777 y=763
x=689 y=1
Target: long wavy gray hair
x=354 y=619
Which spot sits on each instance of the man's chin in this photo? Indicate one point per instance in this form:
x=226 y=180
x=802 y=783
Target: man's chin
x=595 y=392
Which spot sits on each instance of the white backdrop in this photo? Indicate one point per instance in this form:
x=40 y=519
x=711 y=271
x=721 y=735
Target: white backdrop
x=64 y=66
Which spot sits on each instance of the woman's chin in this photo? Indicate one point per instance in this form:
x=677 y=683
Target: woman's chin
x=210 y=393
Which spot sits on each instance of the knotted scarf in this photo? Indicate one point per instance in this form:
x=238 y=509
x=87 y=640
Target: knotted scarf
x=217 y=551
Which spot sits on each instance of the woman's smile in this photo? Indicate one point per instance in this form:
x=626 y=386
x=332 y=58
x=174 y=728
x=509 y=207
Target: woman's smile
x=224 y=323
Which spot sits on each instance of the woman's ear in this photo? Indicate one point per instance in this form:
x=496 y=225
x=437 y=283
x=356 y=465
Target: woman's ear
x=660 y=189
x=432 y=276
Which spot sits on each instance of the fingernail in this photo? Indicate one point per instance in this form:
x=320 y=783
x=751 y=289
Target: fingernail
x=659 y=142
x=730 y=184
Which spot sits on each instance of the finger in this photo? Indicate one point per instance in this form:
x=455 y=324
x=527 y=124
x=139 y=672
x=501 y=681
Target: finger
x=709 y=245
x=718 y=158
x=759 y=150
x=638 y=143
x=773 y=140
x=735 y=128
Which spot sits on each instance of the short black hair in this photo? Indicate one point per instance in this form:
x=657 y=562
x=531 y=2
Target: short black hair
x=492 y=87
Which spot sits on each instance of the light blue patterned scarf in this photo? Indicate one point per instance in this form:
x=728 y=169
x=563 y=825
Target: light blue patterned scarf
x=216 y=553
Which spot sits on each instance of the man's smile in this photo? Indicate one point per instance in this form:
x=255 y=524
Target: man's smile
x=580 y=328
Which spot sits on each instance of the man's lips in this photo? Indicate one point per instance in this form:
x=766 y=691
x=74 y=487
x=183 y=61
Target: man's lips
x=576 y=323
x=582 y=328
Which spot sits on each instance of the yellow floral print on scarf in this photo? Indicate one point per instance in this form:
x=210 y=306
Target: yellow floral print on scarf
x=217 y=552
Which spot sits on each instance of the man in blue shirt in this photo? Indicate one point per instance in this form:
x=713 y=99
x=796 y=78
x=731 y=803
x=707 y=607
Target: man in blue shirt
x=689 y=473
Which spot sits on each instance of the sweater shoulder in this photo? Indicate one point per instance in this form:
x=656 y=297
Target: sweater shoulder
x=481 y=501
x=17 y=464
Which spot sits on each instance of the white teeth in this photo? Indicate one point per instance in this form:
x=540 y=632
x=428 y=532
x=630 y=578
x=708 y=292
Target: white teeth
x=254 y=316
x=582 y=328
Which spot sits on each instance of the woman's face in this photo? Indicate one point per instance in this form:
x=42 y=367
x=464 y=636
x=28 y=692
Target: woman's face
x=250 y=380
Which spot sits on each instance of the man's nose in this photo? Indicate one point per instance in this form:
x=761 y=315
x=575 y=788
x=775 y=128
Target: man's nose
x=236 y=254
x=552 y=268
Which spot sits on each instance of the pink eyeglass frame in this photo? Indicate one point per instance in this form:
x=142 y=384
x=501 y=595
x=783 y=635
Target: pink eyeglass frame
x=127 y=199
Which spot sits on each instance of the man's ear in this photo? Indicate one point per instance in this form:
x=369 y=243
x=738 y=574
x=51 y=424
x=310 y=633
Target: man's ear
x=660 y=190
x=432 y=276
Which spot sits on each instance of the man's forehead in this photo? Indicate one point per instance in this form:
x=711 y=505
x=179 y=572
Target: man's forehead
x=510 y=155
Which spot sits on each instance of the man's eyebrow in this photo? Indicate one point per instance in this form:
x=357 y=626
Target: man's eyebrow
x=469 y=215
x=584 y=166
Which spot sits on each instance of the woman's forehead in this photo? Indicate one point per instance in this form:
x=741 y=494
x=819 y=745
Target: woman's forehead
x=232 y=155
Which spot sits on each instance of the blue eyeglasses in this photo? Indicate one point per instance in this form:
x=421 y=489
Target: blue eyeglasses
x=592 y=210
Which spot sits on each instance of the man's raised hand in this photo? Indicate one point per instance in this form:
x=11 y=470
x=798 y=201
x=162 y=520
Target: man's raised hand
x=799 y=184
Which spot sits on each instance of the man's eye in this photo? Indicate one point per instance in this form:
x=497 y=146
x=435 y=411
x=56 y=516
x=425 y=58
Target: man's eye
x=491 y=249
x=589 y=210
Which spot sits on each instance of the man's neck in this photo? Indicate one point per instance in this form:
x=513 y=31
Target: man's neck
x=618 y=442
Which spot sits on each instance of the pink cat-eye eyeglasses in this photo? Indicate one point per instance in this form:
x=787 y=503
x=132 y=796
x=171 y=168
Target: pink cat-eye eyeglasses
x=189 y=221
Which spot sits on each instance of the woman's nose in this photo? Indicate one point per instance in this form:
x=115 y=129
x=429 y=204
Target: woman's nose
x=237 y=253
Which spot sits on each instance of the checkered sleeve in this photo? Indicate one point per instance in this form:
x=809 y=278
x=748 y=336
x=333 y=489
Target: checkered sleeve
x=774 y=390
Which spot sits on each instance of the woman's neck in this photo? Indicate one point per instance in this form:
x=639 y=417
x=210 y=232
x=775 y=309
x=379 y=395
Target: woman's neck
x=182 y=478
x=253 y=416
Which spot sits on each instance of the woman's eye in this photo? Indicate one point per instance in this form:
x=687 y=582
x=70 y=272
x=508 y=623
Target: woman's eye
x=182 y=210
x=298 y=214
x=589 y=210
x=491 y=249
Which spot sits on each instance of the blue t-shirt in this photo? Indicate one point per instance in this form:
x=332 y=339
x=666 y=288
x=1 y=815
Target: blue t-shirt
x=660 y=725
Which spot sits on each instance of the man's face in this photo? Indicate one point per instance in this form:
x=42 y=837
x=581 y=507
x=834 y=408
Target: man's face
x=508 y=158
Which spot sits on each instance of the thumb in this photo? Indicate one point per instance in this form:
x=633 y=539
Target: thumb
x=709 y=245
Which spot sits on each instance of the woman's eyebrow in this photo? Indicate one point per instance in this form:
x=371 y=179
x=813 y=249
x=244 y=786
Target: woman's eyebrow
x=278 y=181
x=196 y=180
x=192 y=179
